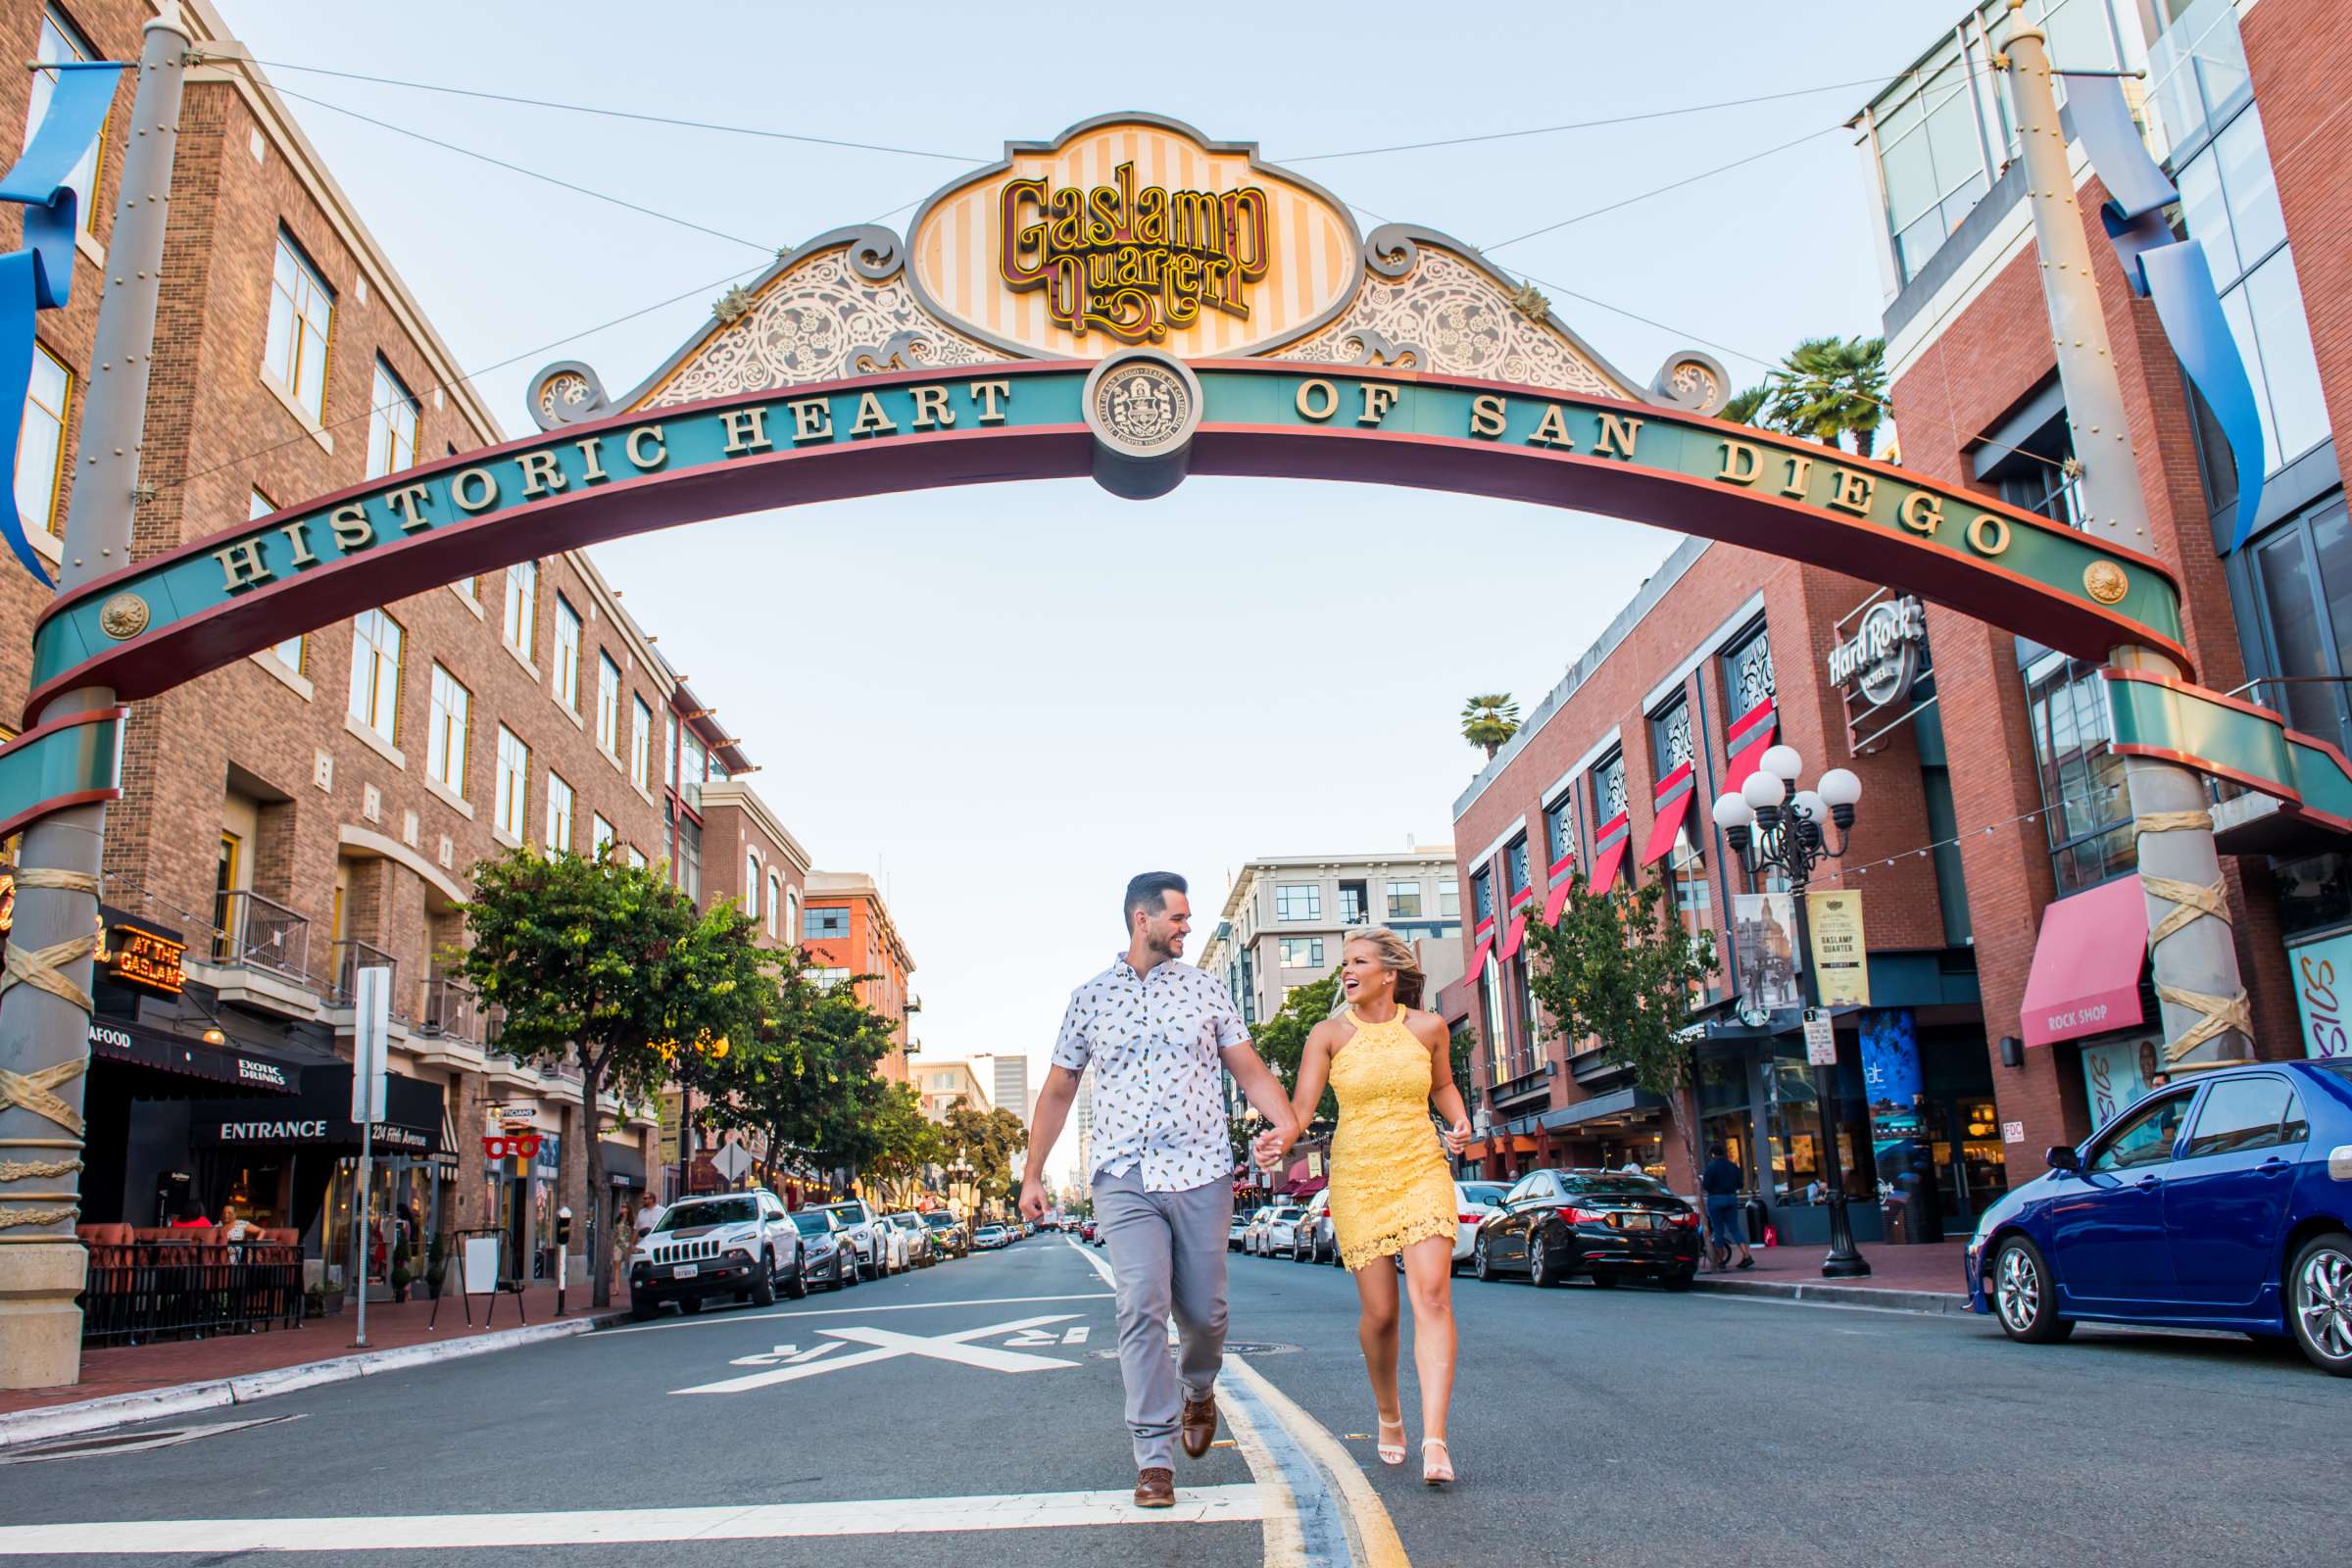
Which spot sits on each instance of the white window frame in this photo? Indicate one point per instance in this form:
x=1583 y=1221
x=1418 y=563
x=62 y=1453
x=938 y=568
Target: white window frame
x=641 y=739
x=392 y=415
x=295 y=280
x=447 y=731
x=513 y=782
x=522 y=606
x=68 y=44
x=374 y=699
x=560 y=798
x=607 y=704
x=42 y=504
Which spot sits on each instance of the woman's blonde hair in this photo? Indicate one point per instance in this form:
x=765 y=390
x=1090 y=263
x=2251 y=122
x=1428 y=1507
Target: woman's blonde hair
x=1396 y=956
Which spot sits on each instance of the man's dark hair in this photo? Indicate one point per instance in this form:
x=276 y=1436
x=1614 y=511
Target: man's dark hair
x=1718 y=1152
x=1151 y=890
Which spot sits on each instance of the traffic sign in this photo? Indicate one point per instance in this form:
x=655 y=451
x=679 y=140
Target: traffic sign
x=732 y=1161
x=1820 y=1039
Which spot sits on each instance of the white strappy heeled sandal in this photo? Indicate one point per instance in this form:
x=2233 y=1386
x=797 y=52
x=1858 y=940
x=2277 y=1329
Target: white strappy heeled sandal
x=1436 y=1469
x=1391 y=1452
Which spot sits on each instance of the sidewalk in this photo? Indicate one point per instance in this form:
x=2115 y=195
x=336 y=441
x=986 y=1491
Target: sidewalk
x=1922 y=1279
x=135 y=1381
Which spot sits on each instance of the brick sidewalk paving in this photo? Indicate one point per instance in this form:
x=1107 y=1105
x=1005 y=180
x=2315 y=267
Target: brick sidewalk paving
x=138 y=1368
x=1927 y=1266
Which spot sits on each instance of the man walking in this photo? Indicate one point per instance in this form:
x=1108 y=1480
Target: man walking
x=1727 y=1223
x=1155 y=1030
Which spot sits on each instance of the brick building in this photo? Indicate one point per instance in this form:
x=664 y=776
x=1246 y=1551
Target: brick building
x=315 y=808
x=847 y=930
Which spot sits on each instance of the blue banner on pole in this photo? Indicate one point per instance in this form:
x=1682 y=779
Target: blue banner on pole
x=2173 y=272
x=40 y=276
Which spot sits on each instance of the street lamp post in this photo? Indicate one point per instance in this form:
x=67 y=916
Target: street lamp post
x=1772 y=830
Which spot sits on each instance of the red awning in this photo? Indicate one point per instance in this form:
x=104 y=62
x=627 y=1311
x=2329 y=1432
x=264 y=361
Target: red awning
x=1478 y=959
x=1605 y=865
x=1510 y=940
x=2087 y=965
x=1669 y=822
x=1558 y=900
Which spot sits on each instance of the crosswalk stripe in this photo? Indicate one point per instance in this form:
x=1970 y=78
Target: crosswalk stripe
x=878 y=1516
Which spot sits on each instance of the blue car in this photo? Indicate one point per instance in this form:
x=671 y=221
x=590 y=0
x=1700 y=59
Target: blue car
x=2223 y=1202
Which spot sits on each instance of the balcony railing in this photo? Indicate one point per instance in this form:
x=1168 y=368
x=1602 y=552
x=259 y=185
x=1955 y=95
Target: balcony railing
x=453 y=1010
x=351 y=957
x=259 y=933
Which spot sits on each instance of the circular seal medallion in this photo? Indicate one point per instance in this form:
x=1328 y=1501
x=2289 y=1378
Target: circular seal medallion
x=1143 y=406
x=122 y=616
x=2105 y=582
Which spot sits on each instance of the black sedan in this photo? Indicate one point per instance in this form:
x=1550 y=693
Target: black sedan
x=1607 y=1225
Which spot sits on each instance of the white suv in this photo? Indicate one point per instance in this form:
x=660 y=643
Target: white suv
x=743 y=1244
x=881 y=1253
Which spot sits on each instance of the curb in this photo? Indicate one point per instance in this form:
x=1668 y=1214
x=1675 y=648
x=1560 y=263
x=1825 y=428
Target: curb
x=1934 y=1302
x=120 y=1410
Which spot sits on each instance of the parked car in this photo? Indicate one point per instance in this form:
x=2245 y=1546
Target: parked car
x=1086 y=1230
x=988 y=1237
x=1607 y=1225
x=952 y=1240
x=1311 y=1237
x=879 y=1252
x=1255 y=1229
x=831 y=1257
x=1275 y=1235
x=1237 y=1231
x=920 y=1251
x=1473 y=1201
x=2224 y=1203
x=742 y=1244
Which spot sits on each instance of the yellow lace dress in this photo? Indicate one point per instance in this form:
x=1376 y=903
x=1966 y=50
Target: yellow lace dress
x=1390 y=1185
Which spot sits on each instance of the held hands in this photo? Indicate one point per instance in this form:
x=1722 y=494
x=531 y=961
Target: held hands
x=1268 y=1146
x=1456 y=1138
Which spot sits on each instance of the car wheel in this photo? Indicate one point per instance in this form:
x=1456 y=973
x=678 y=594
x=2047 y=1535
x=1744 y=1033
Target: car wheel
x=1481 y=1264
x=2321 y=1301
x=764 y=1282
x=2023 y=1296
x=797 y=1287
x=838 y=1281
x=690 y=1304
x=1538 y=1263
x=642 y=1308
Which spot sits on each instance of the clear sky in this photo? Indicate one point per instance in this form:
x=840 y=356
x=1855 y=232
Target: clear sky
x=1005 y=702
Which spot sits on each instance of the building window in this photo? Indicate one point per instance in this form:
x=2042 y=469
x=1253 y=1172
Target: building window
x=1450 y=900
x=751 y=883
x=559 y=811
x=690 y=858
x=391 y=425
x=41 y=440
x=61 y=40
x=1482 y=897
x=293 y=650
x=1515 y=860
x=522 y=611
x=2303 y=575
x=564 y=672
x=1302 y=952
x=302 y=320
x=470 y=587
x=1670 y=737
x=1299 y=901
x=608 y=704
x=513 y=781
x=375 y=673
x=636 y=859
x=827 y=979
x=1404 y=900
x=640 y=741
x=1356 y=904
x=599 y=834
x=775 y=885
x=1559 y=829
x=1747 y=675
x=669 y=751
x=1608 y=790
x=792 y=916
x=445 y=738
x=2084 y=808
x=827 y=925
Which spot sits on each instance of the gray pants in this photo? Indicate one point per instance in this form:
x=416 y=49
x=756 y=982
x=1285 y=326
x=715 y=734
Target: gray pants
x=1168 y=1255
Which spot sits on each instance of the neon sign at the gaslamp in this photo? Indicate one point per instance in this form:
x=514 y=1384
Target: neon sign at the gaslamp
x=1136 y=264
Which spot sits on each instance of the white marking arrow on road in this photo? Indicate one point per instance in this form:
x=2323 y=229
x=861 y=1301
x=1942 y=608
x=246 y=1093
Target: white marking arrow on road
x=786 y=1353
x=889 y=1345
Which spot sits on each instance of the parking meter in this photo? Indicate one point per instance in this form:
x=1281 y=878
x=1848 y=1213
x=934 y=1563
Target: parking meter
x=562 y=1254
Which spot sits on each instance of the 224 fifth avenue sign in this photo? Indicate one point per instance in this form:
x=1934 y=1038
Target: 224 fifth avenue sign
x=1139 y=423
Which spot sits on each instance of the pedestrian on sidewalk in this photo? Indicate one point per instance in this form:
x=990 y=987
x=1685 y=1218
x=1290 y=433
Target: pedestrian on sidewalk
x=1727 y=1223
x=1392 y=1192
x=1155 y=1030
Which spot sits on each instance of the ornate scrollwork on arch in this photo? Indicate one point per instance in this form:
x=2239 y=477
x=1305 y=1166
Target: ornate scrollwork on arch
x=1691 y=380
x=567 y=392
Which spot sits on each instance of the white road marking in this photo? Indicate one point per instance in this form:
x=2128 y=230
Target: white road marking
x=731 y=1319
x=786 y=1353
x=85 y=1448
x=1228 y=1504
x=889 y=1347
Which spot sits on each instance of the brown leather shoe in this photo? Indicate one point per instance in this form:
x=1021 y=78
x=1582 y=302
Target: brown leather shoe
x=1198 y=1424
x=1156 y=1487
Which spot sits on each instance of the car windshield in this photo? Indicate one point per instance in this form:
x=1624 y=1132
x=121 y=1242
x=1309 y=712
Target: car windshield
x=1487 y=1192
x=715 y=1211
x=810 y=1222
x=939 y=1222
x=851 y=1213
x=1288 y=1213
x=1613 y=1186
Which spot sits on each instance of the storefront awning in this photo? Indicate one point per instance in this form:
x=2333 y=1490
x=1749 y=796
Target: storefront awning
x=2087 y=965
x=1606 y=863
x=1618 y=1104
x=1746 y=743
x=1478 y=959
x=261 y=1072
x=1509 y=949
x=1558 y=901
x=321 y=1118
x=1667 y=823
x=624 y=1163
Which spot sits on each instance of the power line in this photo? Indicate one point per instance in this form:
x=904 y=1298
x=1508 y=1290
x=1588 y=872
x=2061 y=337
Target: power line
x=1590 y=124
x=1660 y=190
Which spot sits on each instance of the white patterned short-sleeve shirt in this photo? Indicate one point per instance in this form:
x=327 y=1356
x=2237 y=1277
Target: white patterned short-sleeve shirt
x=1153 y=1039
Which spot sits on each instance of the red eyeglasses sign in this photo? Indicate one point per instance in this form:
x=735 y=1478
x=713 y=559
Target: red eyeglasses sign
x=503 y=1145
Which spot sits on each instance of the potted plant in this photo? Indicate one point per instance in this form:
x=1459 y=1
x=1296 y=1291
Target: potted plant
x=401 y=1280
x=436 y=1254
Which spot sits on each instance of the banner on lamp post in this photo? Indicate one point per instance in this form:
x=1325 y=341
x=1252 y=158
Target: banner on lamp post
x=1840 y=956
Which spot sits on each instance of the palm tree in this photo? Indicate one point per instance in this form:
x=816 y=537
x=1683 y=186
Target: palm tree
x=1829 y=388
x=1744 y=407
x=1490 y=720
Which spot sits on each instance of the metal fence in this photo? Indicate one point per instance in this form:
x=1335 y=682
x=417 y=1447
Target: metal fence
x=140 y=1292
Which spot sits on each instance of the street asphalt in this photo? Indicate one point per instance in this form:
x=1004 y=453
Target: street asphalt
x=1620 y=1427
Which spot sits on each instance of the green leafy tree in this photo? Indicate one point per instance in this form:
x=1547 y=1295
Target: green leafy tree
x=986 y=1141
x=1619 y=966
x=1488 y=720
x=1746 y=405
x=905 y=1141
x=1830 y=388
x=810 y=1090
x=606 y=966
x=1281 y=1041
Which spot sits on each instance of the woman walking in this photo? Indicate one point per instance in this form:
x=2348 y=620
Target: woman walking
x=1391 y=1192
